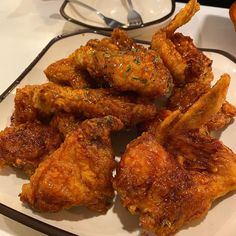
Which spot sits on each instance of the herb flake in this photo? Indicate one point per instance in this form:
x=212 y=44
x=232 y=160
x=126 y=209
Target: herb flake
x=137 y=61
x=143 y=81
x=128 y=68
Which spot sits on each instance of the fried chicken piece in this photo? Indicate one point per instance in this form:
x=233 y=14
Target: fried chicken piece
x=184 y=96
x=167 y=194
x=222 y=118
x=120 y=38
x=78 y=173
x=161 y=42
x=138 y=71
x=24 y=109
x=65 y=122
x=197 y=116
x=105 y=44
x=50 y=98
x=191 y=69
x=198 y=64
x=26 y=145
x=198 y=72
x=119 y=41
x=171 y=175
x=65 y=72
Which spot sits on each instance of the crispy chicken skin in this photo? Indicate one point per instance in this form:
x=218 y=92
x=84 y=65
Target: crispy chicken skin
x=24 y=109
x=170 y=175
x=119 y=41
x=198 y=73
x=222 y=118
x=65 y=72
x=161 y=42
x=139 y=71
x=152 y=181
x=50 y=98
x=24 y=146
x=190 y=68
x=78 y=173
x=198 y=64
x=65 y=122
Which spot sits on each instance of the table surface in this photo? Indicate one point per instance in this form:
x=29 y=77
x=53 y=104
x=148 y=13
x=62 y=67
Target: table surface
x=26 y=27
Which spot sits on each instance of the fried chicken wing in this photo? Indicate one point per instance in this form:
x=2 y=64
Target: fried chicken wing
x=78 y=173
x=161 y=42
x=24 y=109
x=138 y=71
x=65 y=72
x=171 y=175
x=191 y=69
x=24 y=146
x=50 y=98
x=198 y=72
x=166 y=194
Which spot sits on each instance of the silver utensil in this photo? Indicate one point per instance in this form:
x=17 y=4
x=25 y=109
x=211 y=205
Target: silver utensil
x=134 y=18
x=109 y=21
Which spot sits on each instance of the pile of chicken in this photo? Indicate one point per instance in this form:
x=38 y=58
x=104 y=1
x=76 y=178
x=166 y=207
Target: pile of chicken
x=169 y=175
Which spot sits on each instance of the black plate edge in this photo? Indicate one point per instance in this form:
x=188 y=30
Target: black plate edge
x=63 y=13
x=219 y=51
x=33 y=223
x=21 y=217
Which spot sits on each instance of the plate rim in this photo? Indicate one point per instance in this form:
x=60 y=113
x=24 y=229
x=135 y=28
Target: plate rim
x=158 y=21
x=22 y=217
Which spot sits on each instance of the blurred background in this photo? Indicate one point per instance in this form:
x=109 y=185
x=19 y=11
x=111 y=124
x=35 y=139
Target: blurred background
x=217 y=3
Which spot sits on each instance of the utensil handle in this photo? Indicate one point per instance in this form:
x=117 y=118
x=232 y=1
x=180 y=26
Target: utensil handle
x=89 y=7
x=130 y=4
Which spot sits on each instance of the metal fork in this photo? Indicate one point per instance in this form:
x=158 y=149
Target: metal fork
x=134 y=18
x=109 y=21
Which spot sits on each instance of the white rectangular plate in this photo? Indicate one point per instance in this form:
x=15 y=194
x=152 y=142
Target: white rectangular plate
x=221 y=219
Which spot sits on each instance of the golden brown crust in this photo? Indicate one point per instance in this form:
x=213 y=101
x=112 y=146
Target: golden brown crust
x=222 y=118
x=26 y=145
x=171 y=185
x=198 y=64
x=65 y=122
x=198 y=73
x=171 y=174
x=78 y=173
x=138 y=71
x=50 y=98
x=24 y=110
x=65 y=72
x=162 y=43
x=153 y=184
